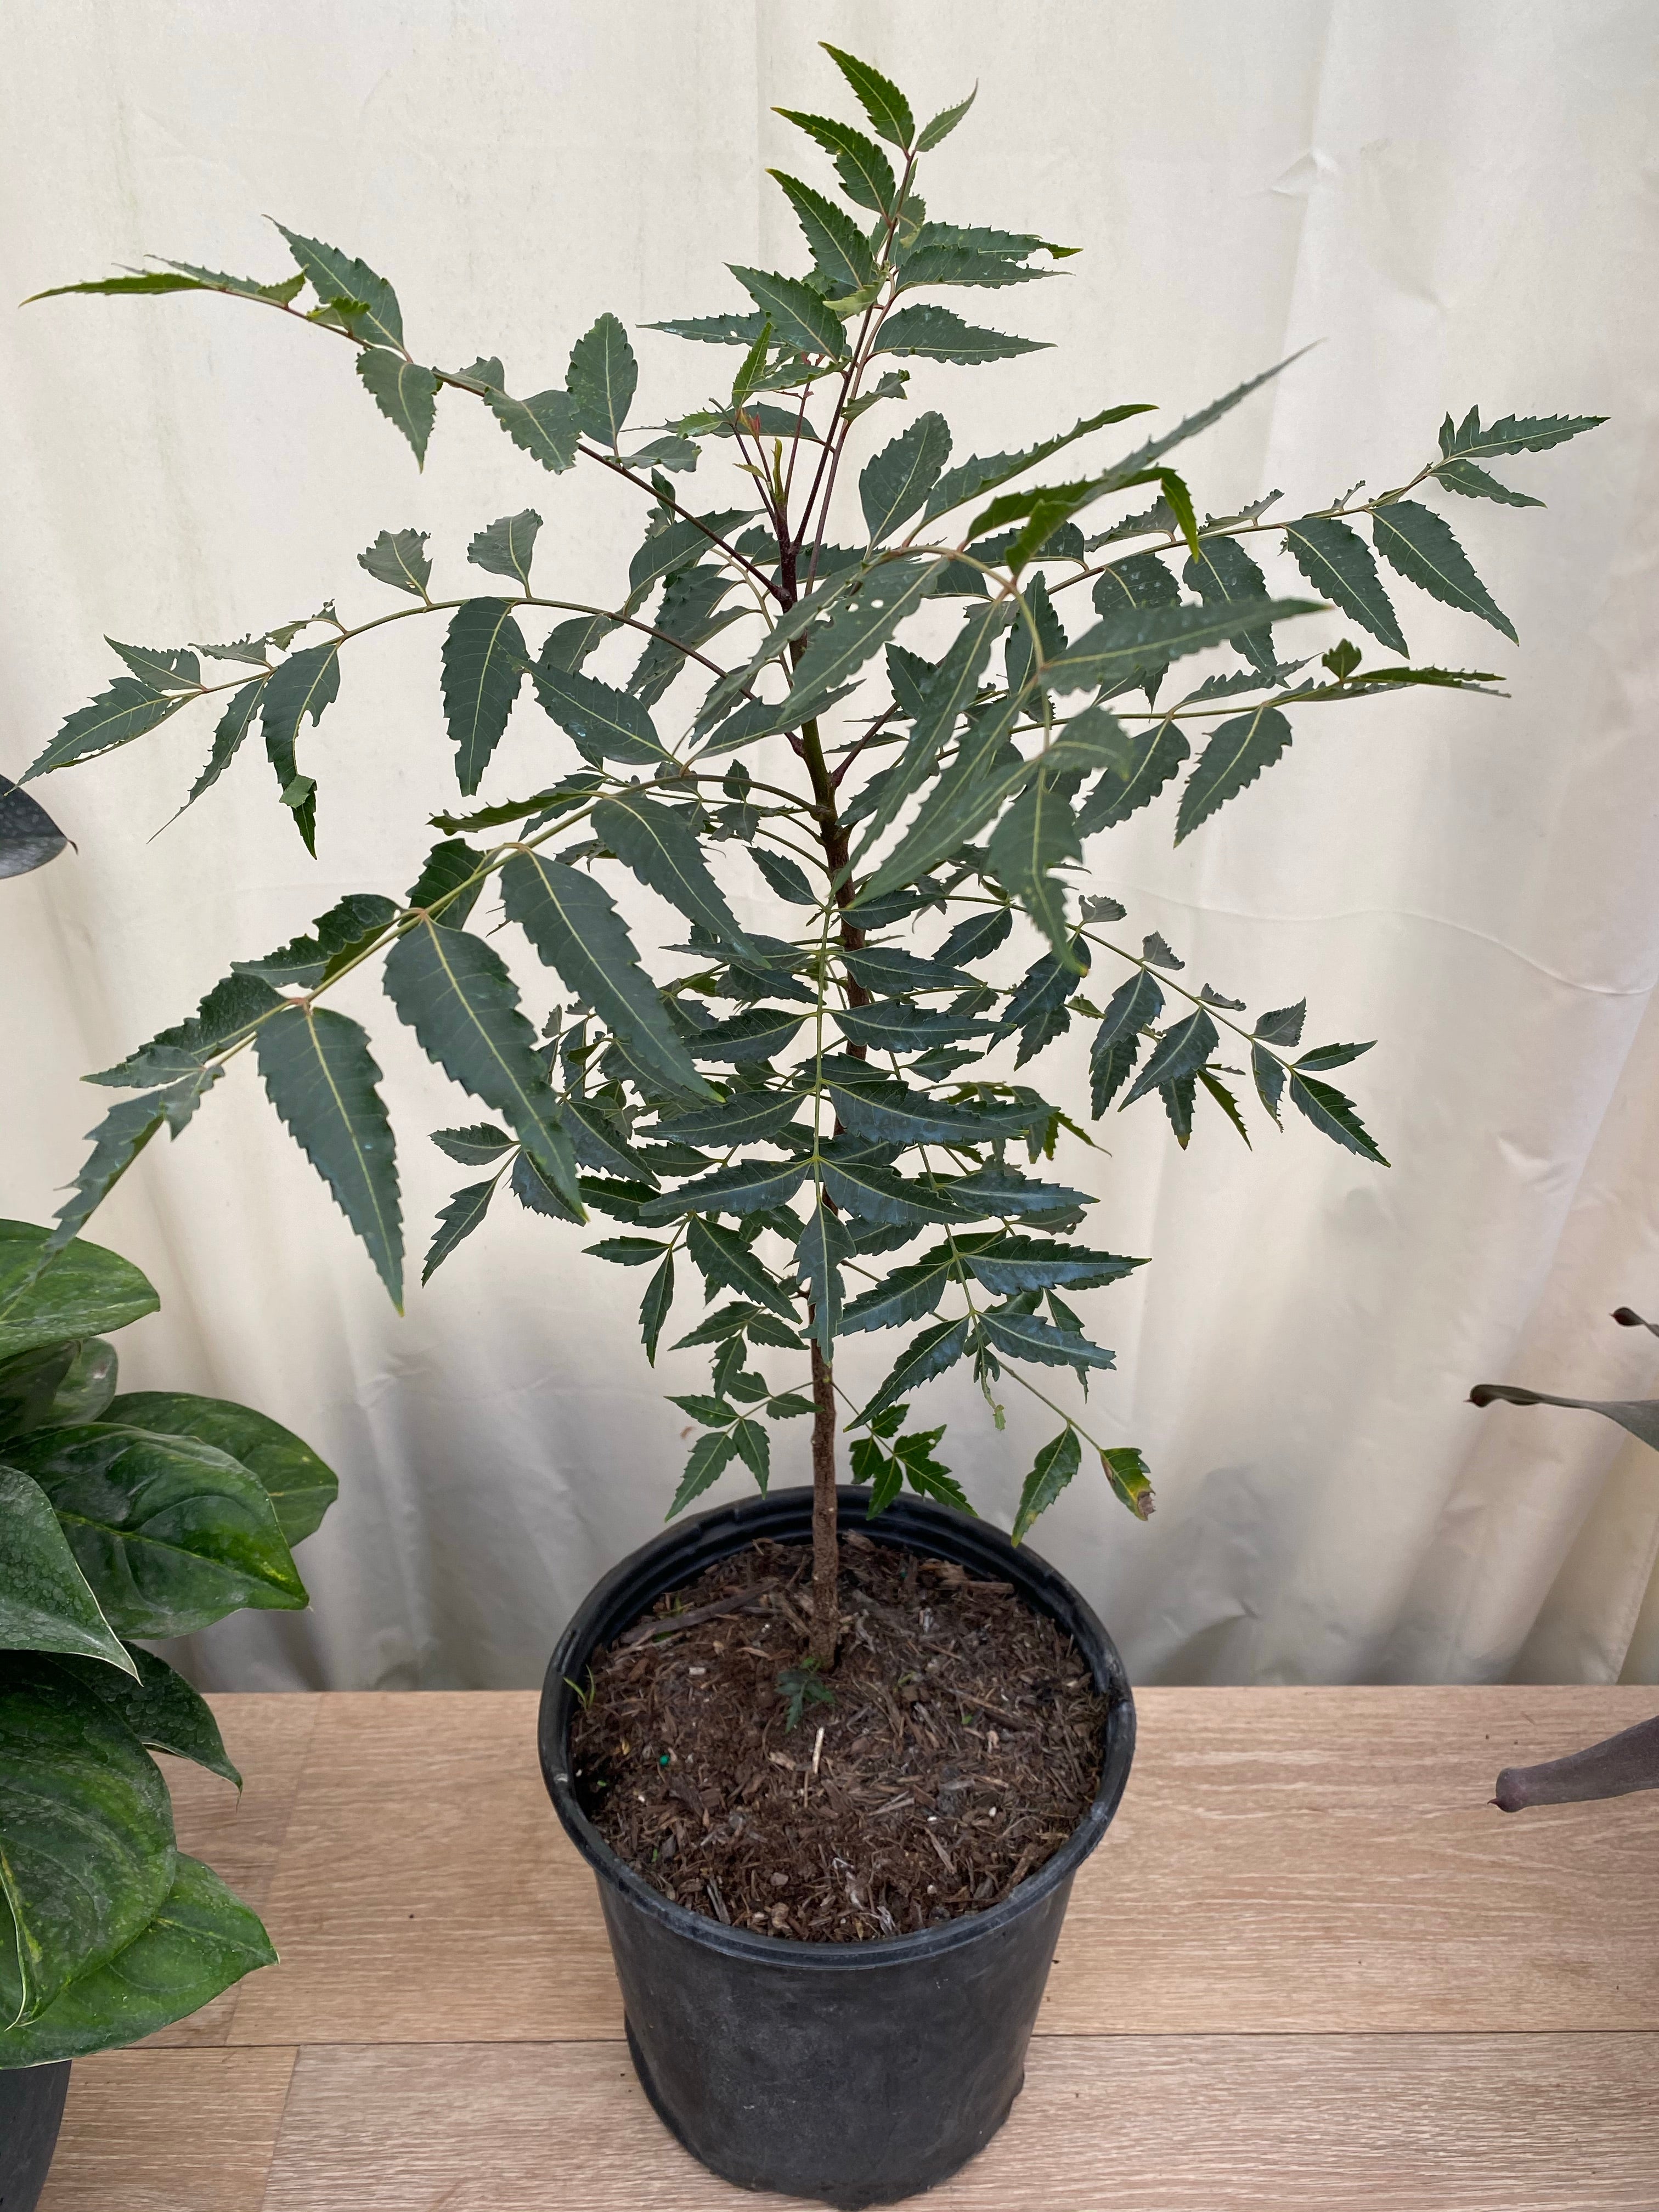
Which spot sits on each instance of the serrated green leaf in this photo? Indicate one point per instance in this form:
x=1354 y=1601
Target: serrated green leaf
x=405 y=393
x=1334 y=1115
x=680 y=543
x=1037 y=835
x=1283 y=1024
x=87 y=1853
x=866 y=173
x=171 y=1532
x=656 y=842
x=1463 y=477
x=906 y=1295
x=864 y=1188
x=943 y=123
x=756 y=1033
x=334 y=276
x=484 y=665
x=750 y=1187
x=1009 y=1266
x=983 y=473
x=449 y=882
x=1418 y=543
x=543 y=426
x=305 y=684
x=1125 y=1470
x=797 y=314
x=1028 y=1336
x=300 y=1486
x=117 y=1142
x=860 y=627
x=399 y=558
x=744 y=1118
x=233 y=726
x=572 y=921
x=821 y=1251
x=602 y=379
x=1222 y=573
x=1181 y=1051
x=930 y=333
x=1132 y=1008
x=784 y=876
x=728 y=1262
x=504 y=547
x=888 y=1112
x=888 y=1025
x=320 y=1076
x=173 y=670
x=454 y=992
x=1269 y=1075
x=606 y=723
x=715 y=330
x=690 y=615
x=1337 y=561
x=1236 y=753
x=1117 y=648
x=147 y=281
x=926 y=1356
x=1530 y=434
x=894 y=485
x=46 y=1603
x=1056 y=1463
x=127 y=710
x=878 y=96
x=628 y=1251
x=711 y=1455
x=654 y=1306
x=839 y=251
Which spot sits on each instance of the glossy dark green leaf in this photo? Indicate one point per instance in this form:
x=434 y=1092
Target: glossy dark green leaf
x=334 y=276
x=1337 y=561
x=930 y=333
x=894 y=484
x=864 y=1188
x=1420 y=543
x=86 y=1834
x=320 y=1076
x=606 y=723
x=300 y=1486
x=1056 y=1463
x=484 y=661
x=504 y=547
x=28 y=835
x=602 y=379
x=866 y=173
x=200 y=1941
x=887 y=109
x=46 y=1603
x=160 y=1708
x=1236 y=754
x=798 y=315
x=454 y=992
x=750 y=1187
x=711 y=1455
x=888 y=1025
x=54 y=1383
x=400 y=557
x=172 y=1532
x=115 y=717
x=839 y=251
x=405 y=393
x=572 y=921
x=1334 y=1115
x=938 y=1347
x=888 y=1112
x=83 y=1292
x=756 y=1033
x=543 y=426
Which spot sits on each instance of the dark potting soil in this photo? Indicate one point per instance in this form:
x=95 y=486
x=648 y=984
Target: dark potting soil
x=961 y=1748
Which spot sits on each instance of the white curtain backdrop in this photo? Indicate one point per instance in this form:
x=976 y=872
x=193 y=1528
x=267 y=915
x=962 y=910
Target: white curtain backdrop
x=1456 y=198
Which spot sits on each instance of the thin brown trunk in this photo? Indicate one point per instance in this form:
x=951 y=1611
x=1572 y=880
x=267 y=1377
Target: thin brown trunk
x=826 y=1549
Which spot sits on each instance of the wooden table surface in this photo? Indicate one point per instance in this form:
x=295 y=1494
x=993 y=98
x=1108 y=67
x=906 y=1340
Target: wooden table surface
x=1311 y=1970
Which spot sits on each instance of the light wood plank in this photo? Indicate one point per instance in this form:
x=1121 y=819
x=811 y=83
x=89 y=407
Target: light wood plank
x=426 y=1891
x=1161 y=2124
x=240 y=1835
x=1287 y=1860
x=169 y=2131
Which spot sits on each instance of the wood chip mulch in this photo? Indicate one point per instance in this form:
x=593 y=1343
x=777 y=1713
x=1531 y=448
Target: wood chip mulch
x=961 y=1748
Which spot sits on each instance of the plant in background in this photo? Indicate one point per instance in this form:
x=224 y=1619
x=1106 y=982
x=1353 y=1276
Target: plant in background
x=1629 y=1760
x=139 y=1516
x=784 y=1114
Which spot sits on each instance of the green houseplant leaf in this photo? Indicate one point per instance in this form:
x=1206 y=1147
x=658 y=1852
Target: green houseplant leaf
x=300 y=1486
x=46 y=1603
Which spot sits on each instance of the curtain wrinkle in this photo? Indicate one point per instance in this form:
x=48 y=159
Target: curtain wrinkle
x=1459 y=204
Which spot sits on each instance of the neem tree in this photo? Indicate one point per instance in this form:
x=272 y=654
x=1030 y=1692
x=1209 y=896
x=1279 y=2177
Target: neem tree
x=787 y=1113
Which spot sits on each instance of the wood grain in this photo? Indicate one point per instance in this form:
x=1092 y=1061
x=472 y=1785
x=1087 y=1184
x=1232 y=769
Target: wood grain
x=240 y=1835
x=1297 y=1861
x=169 y=2131
x=426 y=1892
x=1158 y=2123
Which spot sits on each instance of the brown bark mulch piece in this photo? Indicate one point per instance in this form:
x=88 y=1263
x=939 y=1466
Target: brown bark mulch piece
x=962 y=1746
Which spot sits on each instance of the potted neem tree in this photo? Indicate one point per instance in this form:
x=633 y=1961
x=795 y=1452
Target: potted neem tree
x=835 y=1774
x=126 y=1518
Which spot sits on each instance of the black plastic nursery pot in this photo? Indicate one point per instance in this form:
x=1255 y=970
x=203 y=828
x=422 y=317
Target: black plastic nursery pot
x=853 y=2074
x=30 y=2111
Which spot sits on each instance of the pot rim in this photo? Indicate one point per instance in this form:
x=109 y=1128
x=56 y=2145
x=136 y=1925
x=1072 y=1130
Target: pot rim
x=919 y=1523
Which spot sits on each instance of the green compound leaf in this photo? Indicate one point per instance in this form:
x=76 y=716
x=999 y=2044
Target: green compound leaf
x=172 y=1534
x=1420 y=543
x=454 y=992
x=115 y=717
x=46 y=1603
x=405 y=393
x=1337 y=561
x=484 y=661
x=83 y=1292
x=1237 y=751
x=86 y=1834
x=602 y=379
x=895 y=485
x=1056 y=1463
x=929 y=333
x=201 y=1940
x=320 y=1076
x=887 y=109
x=300 y=1486
x=574 y=925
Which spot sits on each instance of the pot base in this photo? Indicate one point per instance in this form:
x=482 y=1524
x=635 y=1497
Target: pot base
x=31 y=2113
